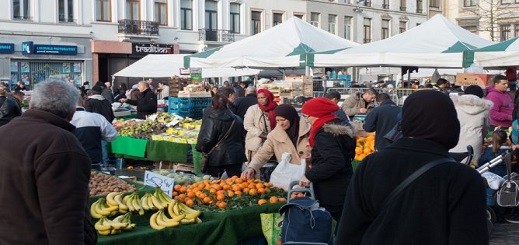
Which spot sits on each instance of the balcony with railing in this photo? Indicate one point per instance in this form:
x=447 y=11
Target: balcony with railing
x=215 y=35
x=138 y=27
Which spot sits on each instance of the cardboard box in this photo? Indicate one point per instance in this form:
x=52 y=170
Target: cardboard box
x=467 y=79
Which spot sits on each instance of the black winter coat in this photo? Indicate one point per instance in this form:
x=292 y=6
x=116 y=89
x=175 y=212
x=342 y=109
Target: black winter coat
x=382 y=119
x=101 y=106
x=243 y=103
x=146 y=105
x=8 y=111
x=446 y=205
x=331 y=170
x=215 y=125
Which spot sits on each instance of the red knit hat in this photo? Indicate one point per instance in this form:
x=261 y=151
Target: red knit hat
x=319 y=107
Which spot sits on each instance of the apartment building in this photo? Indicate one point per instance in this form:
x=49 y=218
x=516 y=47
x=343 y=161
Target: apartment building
x=92 y=40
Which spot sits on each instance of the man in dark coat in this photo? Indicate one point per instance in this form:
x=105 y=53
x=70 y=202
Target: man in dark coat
x=445 y=205
x=9 y=109
x=146 y=104
x=221 y=137
x=241 y=104
x=382 y=119
x=98 y=104
x=44 y=173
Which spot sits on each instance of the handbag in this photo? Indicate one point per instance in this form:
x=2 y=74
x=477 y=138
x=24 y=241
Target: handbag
x=508 y=194
x=394 y=134
x=205 y=156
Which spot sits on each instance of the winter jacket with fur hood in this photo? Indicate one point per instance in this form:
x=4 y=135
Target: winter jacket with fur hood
x=331 y=169
x=278 y=142
x=473 y=114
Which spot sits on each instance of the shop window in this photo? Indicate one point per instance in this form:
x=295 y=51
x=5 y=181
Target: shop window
x=32 y=73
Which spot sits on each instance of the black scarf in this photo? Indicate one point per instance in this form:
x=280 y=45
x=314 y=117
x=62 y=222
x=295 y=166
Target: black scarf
x=289 y=112
x=431 y=115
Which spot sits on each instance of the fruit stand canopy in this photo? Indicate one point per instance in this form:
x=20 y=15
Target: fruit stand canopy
x=436 y=43
x=289 y=44
x=498 y=55
x=169 y=65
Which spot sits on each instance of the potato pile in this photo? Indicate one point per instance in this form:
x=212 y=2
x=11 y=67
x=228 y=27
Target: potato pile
x=101 y=184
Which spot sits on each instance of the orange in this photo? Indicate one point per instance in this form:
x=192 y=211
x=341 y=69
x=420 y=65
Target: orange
x=207 y=200
x=262 y=201
x=273 y=199
x=191 y=194
x=239 y=180
x=190 y=202
x=236 y=187
x=230 y=193
x=220 y=197
x=268 y=184
x=238 y=193
x=212 y=190
x=260 y=186
x=282 y=199
x=183 y=189
x=175 y=193
x=262 y=191
x=177 y=187
x=222 y=205
x=226 y=187
x=245 y=190
x=182 y=197
x=253 y=192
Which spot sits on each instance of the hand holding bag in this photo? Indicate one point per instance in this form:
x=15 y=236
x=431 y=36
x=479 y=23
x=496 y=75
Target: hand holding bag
x=287 y=172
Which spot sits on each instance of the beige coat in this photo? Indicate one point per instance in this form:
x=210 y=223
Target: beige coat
x=278 y=142
x=255 y=122
x=352 y=104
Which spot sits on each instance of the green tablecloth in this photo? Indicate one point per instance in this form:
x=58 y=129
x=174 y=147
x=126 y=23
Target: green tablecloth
x=152 y=150
x=229 y=227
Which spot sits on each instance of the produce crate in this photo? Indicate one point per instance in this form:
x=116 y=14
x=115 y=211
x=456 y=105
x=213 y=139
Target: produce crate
x=188 y=107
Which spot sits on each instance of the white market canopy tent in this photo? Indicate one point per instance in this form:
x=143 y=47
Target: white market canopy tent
x=498 y=55
x=168 y=65
x=436 y=43
x=285 y=45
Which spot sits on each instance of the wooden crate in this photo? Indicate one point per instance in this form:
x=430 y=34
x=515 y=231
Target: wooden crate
x=467 y=79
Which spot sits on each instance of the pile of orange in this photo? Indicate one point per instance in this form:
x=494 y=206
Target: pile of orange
x=231 y=192
x=365 y=146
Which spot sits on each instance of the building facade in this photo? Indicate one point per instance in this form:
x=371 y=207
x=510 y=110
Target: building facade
x=92 y=40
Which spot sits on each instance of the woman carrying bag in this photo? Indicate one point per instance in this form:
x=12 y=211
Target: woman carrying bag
x=290 y=135
x=219 y=138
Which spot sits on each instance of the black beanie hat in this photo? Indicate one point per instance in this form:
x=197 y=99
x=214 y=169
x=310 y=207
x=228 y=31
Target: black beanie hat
x=430 y=115
x=97 y=89
x=475 y=90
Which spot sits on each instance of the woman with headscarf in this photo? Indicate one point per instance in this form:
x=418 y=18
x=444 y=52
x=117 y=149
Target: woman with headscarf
x=259 y=120
x=219 y=137
x=445 y=205
x=332 y=151
x=290 y=135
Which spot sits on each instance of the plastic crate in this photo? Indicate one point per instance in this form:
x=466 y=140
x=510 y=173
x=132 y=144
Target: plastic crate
x=191 y=103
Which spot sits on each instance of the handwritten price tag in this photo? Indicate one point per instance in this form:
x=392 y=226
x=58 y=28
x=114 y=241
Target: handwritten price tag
x=165 y=183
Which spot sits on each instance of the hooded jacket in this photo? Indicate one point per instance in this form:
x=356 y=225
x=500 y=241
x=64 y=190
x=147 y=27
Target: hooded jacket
x=501 y=112
x=331 y=169
x=278 y=142
x=98 y=104
x=9 y=109
x=473 y=114
x=215 y=125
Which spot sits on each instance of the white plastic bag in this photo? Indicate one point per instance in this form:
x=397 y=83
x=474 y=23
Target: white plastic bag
x=494 y=181
x=287 y=172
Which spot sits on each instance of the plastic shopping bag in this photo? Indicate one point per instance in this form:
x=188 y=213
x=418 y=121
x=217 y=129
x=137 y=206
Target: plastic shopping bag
x=287 y=172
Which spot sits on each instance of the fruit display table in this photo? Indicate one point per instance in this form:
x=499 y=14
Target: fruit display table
x=152 y=150
x=236 y=226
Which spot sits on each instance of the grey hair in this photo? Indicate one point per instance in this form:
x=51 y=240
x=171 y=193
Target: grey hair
x=251 y=89
x=55 y=96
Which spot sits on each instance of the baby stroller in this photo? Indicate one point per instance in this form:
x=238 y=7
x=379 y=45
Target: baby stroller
x=491 y=197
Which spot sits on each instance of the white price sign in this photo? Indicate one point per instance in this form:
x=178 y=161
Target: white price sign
x=165 y=183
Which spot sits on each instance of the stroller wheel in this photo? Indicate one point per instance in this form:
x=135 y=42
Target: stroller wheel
x=491 y=219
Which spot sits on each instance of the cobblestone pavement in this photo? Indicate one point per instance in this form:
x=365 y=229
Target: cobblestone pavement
x=505 y=234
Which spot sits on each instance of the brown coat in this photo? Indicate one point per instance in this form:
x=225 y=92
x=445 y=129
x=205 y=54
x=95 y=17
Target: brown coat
x=352 y=105
x=255 y=122
x=278 y=142
x=44 y=174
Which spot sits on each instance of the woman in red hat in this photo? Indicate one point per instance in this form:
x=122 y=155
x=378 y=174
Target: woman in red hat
x=332 y=152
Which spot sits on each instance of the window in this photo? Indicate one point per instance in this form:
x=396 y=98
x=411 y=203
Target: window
x=314 y=19
x=346 y=1
x=161 y=12
x=66 y=11
x=419 y=6
x=255 y=22
x=402 y=26
x=186 y=14
x=505 y=32
x=434 y=3
x=235 y=18
x=211 y=15
x=103 y=10
x=403 y=5
x=277 y=18
x=385 y=29
x=385 y=4
x=347 y=27
x=132 y=9
x=300 y=16
x=367 y=3
x=469 y=24
x=516 y=29
x=470 y=3
x=21 y=9
x=332 y=23
x=367 y=30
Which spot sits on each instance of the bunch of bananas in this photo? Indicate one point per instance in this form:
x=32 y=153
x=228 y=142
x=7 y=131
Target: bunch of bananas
x=191 y=216
x=106 y=227
x=101 y=208
x=134 y=203
x=179 y=212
